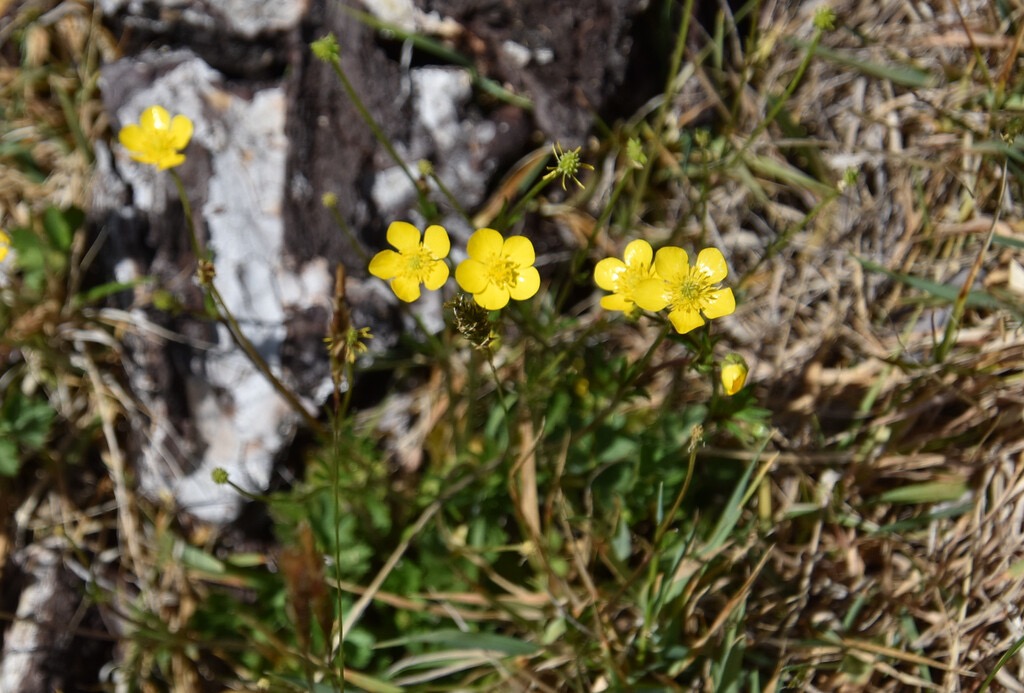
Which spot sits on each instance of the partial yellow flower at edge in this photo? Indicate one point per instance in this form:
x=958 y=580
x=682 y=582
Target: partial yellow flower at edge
x=5 y=245
x=157 y=139
x=413 y=262
x=691 y=293
x=621 y=277
x=498 y=269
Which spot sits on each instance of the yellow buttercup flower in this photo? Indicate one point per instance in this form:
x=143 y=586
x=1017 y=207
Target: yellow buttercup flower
x=158 y=138
x=5 y=245
x=734 y=374
x=415 y=262
x=690 y=293
x=621 y=277
x=498 y=269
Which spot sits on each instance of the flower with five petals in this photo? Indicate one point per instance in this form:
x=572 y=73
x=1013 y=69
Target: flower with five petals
x=158 y=138
x=415 y=262
x=498 y=269
x=691 y=293
x=621 y=277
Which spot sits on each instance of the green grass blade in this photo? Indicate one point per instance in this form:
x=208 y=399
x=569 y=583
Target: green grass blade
x=975 y=299
x=904 y=75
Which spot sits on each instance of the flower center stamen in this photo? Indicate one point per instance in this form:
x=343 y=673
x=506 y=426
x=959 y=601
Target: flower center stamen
x=692 y=290
x=420 y=263
x=502 y=272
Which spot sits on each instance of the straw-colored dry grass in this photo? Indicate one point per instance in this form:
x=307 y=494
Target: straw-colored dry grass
x=847 y=355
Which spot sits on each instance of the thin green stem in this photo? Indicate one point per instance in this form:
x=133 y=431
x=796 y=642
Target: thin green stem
x=660 y=532
x=186 y=206
x=579 y=257
x=226 y=317
x=339 y=219
x=514 y=213
x=780 y=103
x=780 y=241
x=451 y=198
x=960 y=305
x=638 y=369
x=337 y=646
x=659 y=118
x=364 y=113
x=501 y=394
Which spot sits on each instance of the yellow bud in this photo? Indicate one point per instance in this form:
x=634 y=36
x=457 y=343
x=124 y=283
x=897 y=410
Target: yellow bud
x=734 y=375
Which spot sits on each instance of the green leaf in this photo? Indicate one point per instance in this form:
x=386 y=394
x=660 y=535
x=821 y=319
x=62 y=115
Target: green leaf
x=60 y=226
x=9 y=461
x=28 y=420
x=622 y=542
x=30 y=249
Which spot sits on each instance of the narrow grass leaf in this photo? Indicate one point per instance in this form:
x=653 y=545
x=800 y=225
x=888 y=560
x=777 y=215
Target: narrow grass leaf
x=904 y=75
x=1007 y=656
x=925 y=492
x=945 y=292
x=458 y=639
x=1008 y=241
x=366 y=683
x=98 y=293
x=998 y=149
x=731 y=514
x=790 y=175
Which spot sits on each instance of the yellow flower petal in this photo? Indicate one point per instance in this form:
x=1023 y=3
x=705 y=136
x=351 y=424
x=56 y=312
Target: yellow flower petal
x=712 y=262
x=607 y=273
x=437 y=277
x=155 y=118
x=616 y=302
x=180 y=131
x=493 y=297
x=519 y=250
x=527 y=284
x=166 y=160
x=671 y=261
x=386 y=264
x=685 y=320
x=638 y=253
x=720 y=303
x=471 y=275
x=404 y=236
x=435 y=239
x=650 y=294
x=483 y=244
x=406 y=288
x=131 y=137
